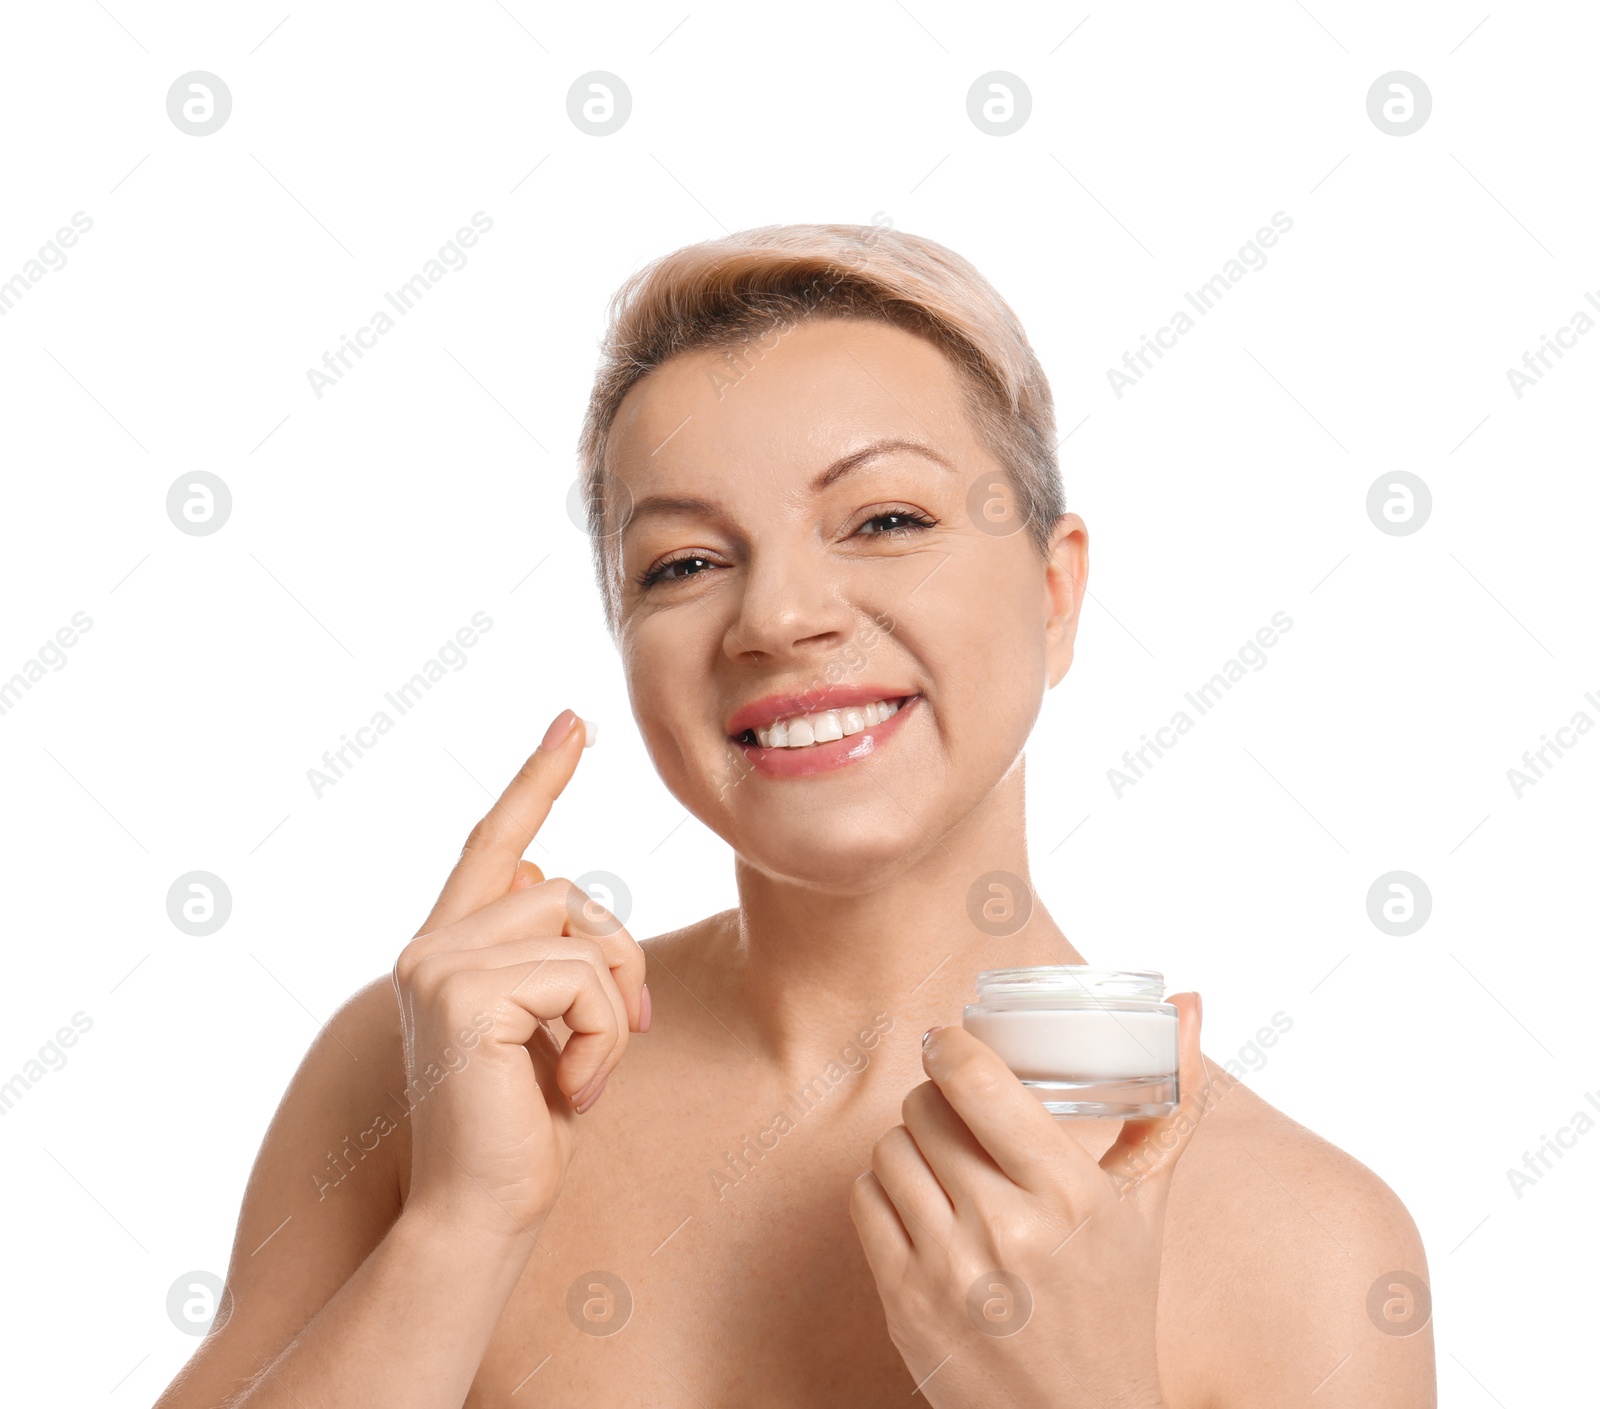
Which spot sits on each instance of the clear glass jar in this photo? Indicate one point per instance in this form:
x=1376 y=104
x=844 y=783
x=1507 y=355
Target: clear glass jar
x=1085 y=1041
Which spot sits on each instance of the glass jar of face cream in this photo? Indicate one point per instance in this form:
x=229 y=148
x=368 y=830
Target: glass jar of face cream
x=1085 y=1041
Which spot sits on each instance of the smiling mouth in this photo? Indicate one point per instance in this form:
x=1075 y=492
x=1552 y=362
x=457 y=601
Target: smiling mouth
x=802 y=731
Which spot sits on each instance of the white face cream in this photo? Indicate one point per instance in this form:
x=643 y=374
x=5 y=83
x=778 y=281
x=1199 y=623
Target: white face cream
x=1086 y=1042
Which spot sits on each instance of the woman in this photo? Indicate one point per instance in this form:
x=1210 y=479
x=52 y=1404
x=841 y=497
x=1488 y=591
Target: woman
x=822 y=492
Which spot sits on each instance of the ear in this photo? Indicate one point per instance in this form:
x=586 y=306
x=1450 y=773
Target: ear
x=1066 y=579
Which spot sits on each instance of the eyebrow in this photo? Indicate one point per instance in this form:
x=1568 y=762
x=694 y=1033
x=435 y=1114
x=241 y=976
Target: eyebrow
x=669 y=505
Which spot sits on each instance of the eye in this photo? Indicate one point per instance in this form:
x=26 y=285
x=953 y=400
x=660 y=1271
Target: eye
x=901 y=522
x=669 y=570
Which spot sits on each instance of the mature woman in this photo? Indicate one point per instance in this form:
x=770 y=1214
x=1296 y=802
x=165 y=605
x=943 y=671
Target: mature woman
x=830 y=539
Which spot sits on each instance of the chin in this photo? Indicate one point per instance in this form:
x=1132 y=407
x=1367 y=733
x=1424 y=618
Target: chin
x=839 y=861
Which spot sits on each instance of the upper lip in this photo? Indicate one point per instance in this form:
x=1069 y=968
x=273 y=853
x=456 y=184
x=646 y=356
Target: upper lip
x=758 y=714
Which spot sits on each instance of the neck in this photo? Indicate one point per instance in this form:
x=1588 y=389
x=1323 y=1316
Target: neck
x=808 y=968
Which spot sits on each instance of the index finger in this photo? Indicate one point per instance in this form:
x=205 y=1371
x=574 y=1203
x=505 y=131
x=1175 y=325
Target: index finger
x=488 y=860
x=1003 y=1115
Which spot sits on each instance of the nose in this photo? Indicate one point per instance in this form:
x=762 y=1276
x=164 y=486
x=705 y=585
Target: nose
x=790 y=607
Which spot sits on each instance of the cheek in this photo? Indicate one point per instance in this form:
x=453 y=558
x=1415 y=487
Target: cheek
x=670 y=693
x=989 y=614
x=985 y=650
x=667 y=743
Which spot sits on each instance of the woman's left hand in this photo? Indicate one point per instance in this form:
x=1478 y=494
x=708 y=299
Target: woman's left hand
x=1014 y=1269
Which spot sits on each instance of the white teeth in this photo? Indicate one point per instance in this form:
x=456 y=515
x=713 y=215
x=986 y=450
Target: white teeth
x=824 y=727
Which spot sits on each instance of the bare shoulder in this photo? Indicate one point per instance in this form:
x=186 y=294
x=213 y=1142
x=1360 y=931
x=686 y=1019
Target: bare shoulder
x=322 y=1192
x=1304 y=1272
x=334 y=1140
x=699 y=943
x=1253 y=1144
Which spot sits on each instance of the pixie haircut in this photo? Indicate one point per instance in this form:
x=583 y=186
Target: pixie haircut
x=742 y=292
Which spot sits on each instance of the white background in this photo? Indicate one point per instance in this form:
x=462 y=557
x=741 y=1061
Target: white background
x=431 y=482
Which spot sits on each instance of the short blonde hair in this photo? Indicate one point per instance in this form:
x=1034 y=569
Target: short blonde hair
x=730 y=292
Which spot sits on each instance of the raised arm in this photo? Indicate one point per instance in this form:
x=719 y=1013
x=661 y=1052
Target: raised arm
x=337 y=1292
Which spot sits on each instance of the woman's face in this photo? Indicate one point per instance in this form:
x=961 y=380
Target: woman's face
x=792 y=569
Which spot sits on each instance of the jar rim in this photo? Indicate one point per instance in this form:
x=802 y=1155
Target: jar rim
x=1069 y=980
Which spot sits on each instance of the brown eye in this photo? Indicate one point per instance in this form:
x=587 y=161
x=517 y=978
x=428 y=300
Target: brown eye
x=668 y=571
x=684 y=567
x=900 y=521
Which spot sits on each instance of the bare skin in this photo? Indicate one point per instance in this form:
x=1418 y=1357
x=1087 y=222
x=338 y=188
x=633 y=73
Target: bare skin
x=455 y=1262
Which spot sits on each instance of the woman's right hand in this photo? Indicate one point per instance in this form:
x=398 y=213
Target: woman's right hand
x=492 y=1123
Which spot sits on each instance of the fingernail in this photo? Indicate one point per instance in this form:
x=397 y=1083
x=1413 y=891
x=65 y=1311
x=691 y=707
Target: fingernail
x=559 y=728
x=591 y=732
x=929 y=1033
x=644 y=1010
x=583 y=1093
x=593 y=1095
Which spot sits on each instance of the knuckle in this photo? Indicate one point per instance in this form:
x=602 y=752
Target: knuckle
x=430 y=974
x=1009 y=1229
x=977 y=1080
x=584 y=907
x=486 y=833
x=562 y=889
x=598 y=982
x=579 y=973
x=405 y=965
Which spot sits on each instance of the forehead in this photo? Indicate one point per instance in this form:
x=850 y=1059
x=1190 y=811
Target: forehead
x=784 y=405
